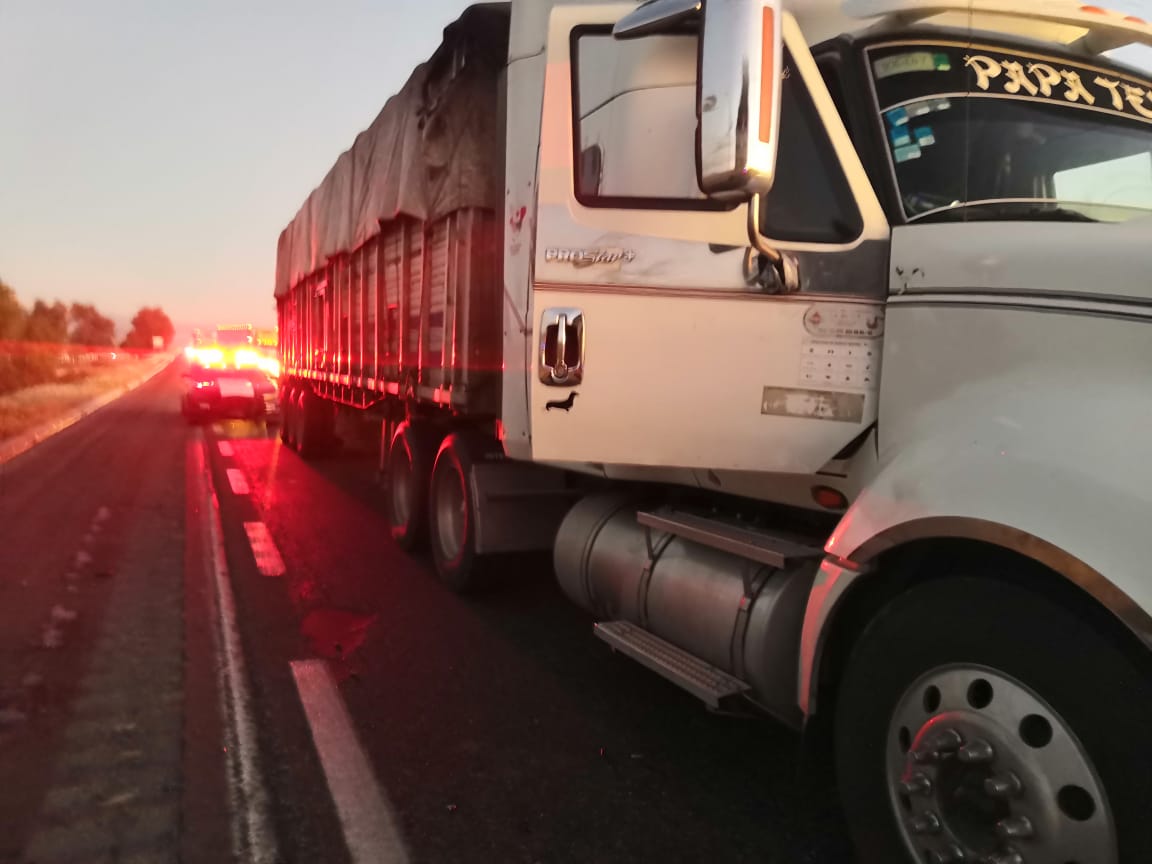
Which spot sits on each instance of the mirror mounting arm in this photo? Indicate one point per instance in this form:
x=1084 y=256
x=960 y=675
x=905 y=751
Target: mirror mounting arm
x=775 y=272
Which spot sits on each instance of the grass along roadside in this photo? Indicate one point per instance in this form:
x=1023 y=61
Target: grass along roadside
x=30 y=407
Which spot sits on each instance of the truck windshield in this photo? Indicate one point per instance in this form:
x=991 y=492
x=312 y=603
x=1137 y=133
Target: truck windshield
x=985 y=132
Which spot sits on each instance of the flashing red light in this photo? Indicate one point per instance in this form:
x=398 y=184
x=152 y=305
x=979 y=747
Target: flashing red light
x=829 y=498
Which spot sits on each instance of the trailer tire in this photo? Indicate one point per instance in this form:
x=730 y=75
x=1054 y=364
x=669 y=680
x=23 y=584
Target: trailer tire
x=410 y=461
x=314 y=427
x=451 y=513
x=288 y=416
x=973 y=711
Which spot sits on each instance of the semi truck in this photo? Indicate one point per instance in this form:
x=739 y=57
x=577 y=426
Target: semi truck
x=814 y=342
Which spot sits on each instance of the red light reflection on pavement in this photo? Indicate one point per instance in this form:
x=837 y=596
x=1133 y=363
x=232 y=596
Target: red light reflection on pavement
x=336 y=635
x=283 y=491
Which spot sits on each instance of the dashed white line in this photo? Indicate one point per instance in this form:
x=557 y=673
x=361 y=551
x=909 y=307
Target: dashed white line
x=253 y=839
x=369 y=823
x=267 y=556
x=224 y=447
x=238 y=482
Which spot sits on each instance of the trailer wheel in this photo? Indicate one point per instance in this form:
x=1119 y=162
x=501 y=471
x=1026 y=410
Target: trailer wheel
x=981 y=721
x=409 y=470
x=314 y=432
x=451 y=514
x=288 y=416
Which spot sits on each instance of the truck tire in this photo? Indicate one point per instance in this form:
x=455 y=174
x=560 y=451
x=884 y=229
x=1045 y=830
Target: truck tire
x=288 y=417
x=314 y=432
x=410 y=461
x=451 y=514
x=977 y=719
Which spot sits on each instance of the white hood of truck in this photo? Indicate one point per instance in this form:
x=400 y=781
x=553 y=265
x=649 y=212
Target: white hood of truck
x=1098 y=261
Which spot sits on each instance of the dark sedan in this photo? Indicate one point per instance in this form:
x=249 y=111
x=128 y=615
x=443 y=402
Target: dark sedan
x=219 y=393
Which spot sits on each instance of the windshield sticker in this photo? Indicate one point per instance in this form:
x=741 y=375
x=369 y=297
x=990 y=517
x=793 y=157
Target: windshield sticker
x=1058 y=82
x=903 y=154
x=941 y=104
x=924 y=136
x=913 y=61
x=897 y=116
x=900 y=136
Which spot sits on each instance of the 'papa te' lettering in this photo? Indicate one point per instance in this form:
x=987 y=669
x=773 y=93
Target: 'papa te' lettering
x=1043 y=79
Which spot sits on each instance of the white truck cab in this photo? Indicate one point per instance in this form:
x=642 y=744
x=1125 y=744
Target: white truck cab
x=917 y=299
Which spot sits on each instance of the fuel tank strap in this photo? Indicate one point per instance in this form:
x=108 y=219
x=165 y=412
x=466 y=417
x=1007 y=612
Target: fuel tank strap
x=755 y=578
x=654 y=553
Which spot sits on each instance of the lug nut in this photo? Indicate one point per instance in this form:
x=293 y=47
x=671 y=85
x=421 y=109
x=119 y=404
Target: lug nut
x=936 y=745
x=952 y=854
x=917 y=784
x=926 y=823
x=1009 y=857
x=1006 y=785
x=977 y=751
x=1015 y=827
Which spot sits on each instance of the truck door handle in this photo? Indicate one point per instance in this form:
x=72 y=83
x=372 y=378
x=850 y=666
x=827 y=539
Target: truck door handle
x=562 y=347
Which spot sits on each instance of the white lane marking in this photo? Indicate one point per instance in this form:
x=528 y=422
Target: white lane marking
x=238 y=482
x=267 y=556
x=102 y=515
x=369 y=823
x=224 y=447
x=83 y=559
x=253 y=839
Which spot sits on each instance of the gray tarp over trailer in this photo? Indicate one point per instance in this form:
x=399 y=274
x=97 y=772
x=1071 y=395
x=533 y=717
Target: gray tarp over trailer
x=433 y=149
x=388 y=280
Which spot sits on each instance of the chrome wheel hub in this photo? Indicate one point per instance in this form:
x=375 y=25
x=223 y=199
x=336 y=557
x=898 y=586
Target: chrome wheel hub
x=981 y=769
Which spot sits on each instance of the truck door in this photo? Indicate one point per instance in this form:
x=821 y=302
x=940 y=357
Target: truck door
x=657 y=341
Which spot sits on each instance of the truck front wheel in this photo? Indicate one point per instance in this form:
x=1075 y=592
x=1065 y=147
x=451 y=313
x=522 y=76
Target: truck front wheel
x=451 y=511
x=409 y=470
x=981 y=721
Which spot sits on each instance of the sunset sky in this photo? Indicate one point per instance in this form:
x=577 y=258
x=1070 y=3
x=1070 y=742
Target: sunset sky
x=152 y=151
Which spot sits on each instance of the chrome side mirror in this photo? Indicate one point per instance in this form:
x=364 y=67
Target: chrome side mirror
x=738 y=85
x=656 y=16
x=738 y=107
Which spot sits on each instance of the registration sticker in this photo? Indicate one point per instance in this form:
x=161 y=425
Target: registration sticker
x=900 y=136
x=904 y=154
x=911 y=61
x=896 y=117
x=924 y=136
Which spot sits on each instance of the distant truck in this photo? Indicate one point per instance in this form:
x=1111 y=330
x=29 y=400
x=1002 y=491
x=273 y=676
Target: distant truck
x=237 y=346
x=815 y=342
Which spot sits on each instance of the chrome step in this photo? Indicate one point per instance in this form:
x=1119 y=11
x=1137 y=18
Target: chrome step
x=752 y=543
x=699 y=678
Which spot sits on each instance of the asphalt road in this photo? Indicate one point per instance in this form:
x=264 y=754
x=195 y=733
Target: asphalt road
x=497 y=728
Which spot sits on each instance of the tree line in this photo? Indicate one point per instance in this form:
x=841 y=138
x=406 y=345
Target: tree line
x=34 y=341
x=77 y=324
